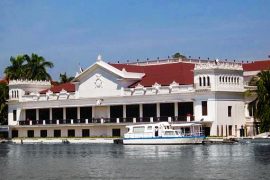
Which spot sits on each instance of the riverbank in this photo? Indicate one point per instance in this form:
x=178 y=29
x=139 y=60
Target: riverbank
x=208 y=140
x=62 y=140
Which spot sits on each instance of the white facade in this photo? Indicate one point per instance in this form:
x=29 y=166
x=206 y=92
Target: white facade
x=215 y=99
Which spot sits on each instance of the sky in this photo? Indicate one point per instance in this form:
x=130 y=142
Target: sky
x=71 y=33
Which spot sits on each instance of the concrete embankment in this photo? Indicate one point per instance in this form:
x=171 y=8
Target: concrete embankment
x=62 y=140
x=219 y=141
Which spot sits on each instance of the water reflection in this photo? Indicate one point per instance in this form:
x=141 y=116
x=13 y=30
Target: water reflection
x=85 y=161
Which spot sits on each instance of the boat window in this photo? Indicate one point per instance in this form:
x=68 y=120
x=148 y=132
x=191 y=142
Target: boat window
x=139 y=129
x=169 y=133
x=149 y=128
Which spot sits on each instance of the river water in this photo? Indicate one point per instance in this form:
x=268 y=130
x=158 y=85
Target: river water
x=111 y=161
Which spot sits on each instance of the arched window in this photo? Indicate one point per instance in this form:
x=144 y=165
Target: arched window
x=219 y=78
x=200 y=81
x=204 y=81
x=208 y=81
x=238 y=80
x=223 y=79
x=234 y=80
x=226 y=79
x=12 y=94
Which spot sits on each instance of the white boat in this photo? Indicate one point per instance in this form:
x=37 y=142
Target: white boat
x=164 y=133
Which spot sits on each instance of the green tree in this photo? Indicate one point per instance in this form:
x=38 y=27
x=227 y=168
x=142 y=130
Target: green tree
x=36 y=67
x=178 y=55
x=262 y=111
x=3 y=104
x=64 y=78
x=32 y=67
x=17 y=68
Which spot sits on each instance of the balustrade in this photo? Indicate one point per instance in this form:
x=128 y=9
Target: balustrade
x=127 y=120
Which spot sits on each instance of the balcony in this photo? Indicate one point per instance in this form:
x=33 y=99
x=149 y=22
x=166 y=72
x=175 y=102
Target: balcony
x=107 y=120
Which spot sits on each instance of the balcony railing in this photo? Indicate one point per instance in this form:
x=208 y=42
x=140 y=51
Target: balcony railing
x=108 y=120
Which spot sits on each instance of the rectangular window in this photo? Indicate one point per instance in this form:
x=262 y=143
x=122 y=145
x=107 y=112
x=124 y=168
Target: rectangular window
x=71 y=132
x=30 y=133
x=138 y=129
x=57 y=133
x=116 y=132
x=85 y=133
x=14 y=115
x=229 y=111
x=204 y=108
x=43 y=133
x=15 y=133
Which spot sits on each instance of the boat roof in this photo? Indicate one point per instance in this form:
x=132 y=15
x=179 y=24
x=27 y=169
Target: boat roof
x=186 y=124
x=150 y=124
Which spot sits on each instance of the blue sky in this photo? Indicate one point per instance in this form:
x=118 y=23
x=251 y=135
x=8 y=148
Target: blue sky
x=72 y=32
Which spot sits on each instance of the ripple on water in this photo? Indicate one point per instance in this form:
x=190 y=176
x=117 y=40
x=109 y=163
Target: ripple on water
x=85 y=161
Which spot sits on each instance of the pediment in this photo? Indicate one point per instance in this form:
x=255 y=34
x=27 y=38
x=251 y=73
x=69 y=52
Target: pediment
x=103 y=65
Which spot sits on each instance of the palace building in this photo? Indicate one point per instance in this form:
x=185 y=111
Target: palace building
x=104 y=98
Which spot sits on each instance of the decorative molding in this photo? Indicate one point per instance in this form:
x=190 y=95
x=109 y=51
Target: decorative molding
x=139 y=86
x=29 y=82
x=98 y=82
x=218 y=65
x=99 y=102
x=63 y=94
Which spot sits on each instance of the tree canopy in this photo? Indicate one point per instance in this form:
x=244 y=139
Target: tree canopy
x=178 y=55
x=3 y=105
x=64 y=78
x=32 y=67
x=263 y=100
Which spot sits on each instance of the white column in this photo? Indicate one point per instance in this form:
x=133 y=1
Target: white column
x=176 y=109
x=93 y=111
x=158 y=109
x=108 y=112
x=78 y=113
x=246 y=110
x=18 y=115
x=50 y=113
x=141 y=110
x=124 y=111
x=37 y=114
x=64 y=113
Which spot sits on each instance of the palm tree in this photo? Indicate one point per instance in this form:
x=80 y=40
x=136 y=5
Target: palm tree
x=64 y=78
x=36 y=67
x=17 y=68
x=263 y=100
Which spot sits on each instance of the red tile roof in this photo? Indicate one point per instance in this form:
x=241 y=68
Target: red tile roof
x=57 y=88
x=3 y=81
x=163 y=74
x=257 y=65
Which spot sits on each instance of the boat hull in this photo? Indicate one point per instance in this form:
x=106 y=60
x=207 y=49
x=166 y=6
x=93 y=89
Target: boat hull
x=164 y=140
